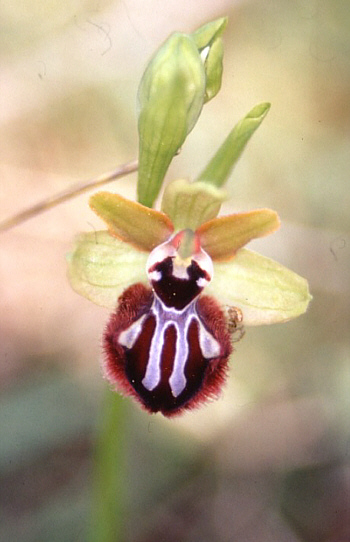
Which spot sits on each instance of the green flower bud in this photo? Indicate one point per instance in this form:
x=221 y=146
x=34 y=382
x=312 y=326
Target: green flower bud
x=209 y=43
x=171 y=96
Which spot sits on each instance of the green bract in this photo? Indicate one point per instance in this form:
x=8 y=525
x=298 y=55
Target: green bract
x=221 y=165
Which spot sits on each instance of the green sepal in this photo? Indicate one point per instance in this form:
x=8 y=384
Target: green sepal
x=101 y=267
x=191 y=204
x=132 y=222
x=209 y=43
x=265 y=291
x=221 y=165
x=223 y=236
x=171 y=96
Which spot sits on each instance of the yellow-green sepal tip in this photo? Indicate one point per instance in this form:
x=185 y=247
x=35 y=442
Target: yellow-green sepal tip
x=265 y=291
x=191 y=204
x=100 y=267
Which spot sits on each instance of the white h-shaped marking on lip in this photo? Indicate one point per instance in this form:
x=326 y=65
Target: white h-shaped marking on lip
x=181 y=320
x=177 y=379
x=129 y=336
x=209 y=346
x=166 y=317
x=152 y=375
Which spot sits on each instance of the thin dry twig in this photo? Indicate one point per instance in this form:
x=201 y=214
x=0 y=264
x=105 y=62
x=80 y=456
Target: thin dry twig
x=76 y=190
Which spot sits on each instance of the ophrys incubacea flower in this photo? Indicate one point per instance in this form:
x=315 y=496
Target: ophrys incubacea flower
x=175 y=277
x=167 y=342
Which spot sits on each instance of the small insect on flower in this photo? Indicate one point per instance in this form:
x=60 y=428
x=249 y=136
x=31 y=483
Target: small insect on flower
x=169 y=346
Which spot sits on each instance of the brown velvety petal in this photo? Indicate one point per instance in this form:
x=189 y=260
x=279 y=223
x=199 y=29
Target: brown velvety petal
x=222 y=237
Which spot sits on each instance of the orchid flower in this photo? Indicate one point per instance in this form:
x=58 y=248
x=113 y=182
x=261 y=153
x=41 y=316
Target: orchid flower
x=179 y=279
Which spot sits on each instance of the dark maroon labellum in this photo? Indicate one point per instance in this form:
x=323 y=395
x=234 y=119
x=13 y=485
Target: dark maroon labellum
x=169 y=347
x=169 y=392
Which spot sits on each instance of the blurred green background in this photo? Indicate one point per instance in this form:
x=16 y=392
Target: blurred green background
x=269 y=461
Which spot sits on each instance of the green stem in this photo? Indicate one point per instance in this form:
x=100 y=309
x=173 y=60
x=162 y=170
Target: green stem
x=109 y=491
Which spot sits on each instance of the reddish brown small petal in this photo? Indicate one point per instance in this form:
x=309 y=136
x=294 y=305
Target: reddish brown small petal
x=132 y=222
x=222 y=237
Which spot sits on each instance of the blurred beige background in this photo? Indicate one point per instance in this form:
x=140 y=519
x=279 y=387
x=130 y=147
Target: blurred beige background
x=279 y=439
